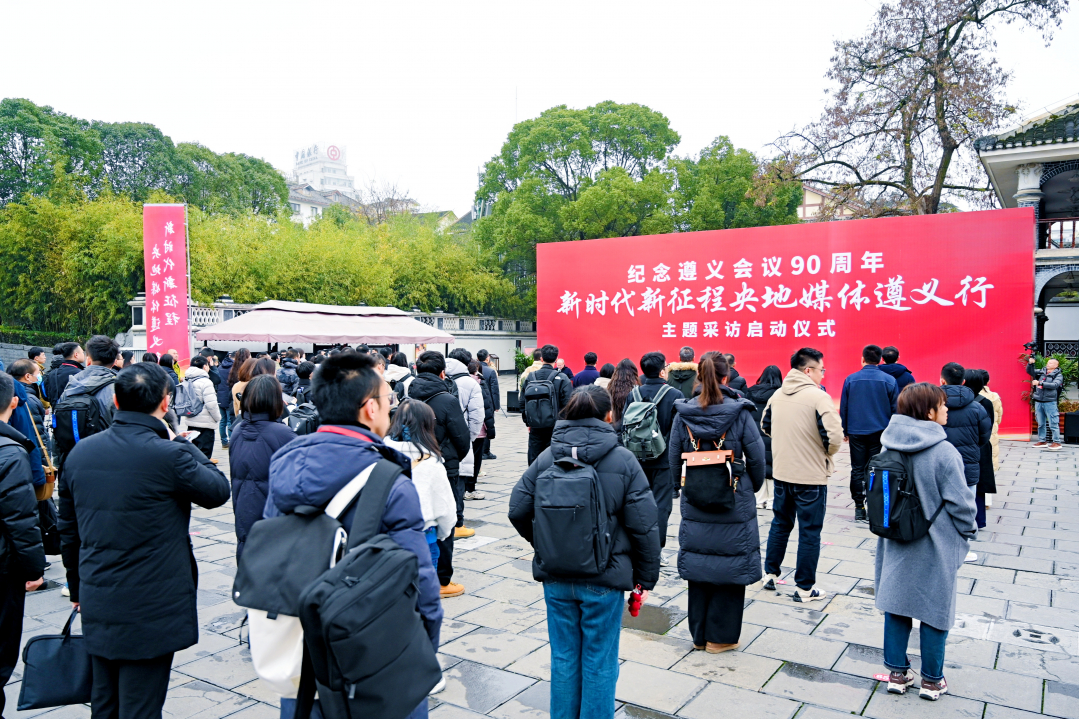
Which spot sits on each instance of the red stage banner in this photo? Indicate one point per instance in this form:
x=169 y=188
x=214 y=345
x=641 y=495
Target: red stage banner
x=164 y=237
x=953 y=287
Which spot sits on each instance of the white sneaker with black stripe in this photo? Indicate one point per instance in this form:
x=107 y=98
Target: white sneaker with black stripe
x=807 y=595
x=770 y=582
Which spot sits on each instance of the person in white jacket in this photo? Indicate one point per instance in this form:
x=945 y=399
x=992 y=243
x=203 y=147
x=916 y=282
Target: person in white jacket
x=471 y=397
x=413 y=433
x=203 y=424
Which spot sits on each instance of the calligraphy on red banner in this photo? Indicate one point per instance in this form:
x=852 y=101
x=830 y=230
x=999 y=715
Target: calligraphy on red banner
x=165 y=257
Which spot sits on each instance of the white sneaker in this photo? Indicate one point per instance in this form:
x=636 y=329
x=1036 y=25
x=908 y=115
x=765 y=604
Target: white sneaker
x=807 y=595
x=663 y=561
x=971 y=557
x=438 y=687
x=65 y=591
x=475 y=495
x=770 y=581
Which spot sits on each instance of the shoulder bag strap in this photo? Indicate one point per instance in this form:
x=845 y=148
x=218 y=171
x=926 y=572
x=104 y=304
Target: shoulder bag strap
x=659 y=395
x=693 y=440
x=908 y=462
x=636 y=394
x=40 y=444
x=372 y=502
x=305 y=696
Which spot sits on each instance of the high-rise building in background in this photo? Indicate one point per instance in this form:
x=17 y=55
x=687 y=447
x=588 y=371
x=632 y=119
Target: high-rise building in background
x=324 y=167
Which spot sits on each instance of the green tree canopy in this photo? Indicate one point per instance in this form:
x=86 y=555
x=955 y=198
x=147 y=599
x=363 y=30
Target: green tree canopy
x=127 y=158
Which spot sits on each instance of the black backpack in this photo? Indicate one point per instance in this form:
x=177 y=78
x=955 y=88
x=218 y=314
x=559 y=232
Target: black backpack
x=304 y=419
x=571 y=534
x=369 y=652
x=541 y=401
x=76 y=417
x=301 y=394
x=895 y=511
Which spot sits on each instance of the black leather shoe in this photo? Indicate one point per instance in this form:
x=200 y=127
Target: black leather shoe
x=860 y=514
x=489 y=456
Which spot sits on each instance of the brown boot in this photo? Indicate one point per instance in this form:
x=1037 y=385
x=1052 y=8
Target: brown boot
x=713 y=648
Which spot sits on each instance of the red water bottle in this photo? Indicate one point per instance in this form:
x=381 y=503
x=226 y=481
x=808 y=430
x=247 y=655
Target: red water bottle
x=635 y=600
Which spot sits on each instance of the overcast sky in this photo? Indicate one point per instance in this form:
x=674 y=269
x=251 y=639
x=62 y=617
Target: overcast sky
x=423 y=93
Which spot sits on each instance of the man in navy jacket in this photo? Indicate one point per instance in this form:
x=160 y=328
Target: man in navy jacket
x=866 y=406
x=589 y=374
x=353 y=403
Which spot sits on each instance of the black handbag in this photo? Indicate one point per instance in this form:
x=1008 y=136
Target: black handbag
x=711 y=480
x=57 y=671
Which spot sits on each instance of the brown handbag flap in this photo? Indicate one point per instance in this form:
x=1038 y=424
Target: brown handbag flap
x=705 y=458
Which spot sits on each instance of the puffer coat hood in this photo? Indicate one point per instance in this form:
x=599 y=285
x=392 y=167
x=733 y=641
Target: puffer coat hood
x=720 y=547
x=223 y=371
x=968 y=428
x=906 y=434
x=630 y=504
x=251 y=446
x=451 y=429
x=682 y=376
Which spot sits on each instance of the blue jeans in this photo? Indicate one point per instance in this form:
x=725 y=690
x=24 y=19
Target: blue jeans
x=432 y=544
x=806 y=503
x=224 y=429
x=896 y=635
x=583 y=625
x=1048 y=415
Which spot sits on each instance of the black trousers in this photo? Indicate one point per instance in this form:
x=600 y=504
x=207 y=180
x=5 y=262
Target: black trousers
x=12 y=603
x=486 y=445
x=863 y=447
x=715 y=612
x=204 y=440
x=477 y=455
x=445 y=546
x=129 y=689
x=659 y=479
x=538 y=440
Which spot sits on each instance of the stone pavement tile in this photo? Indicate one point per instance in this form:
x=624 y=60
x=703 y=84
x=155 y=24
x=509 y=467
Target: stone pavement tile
x=216 y=581
x=853 y=630
x=513 y=548
x=1061 y=700
x=1046 y=581
x=1037 y=663
x=792 y=618
x=1063 y=569
x=490 y=529
x=1064 y=600
x=910 y=706
x=850 y=554
x=514 y=569
x=258 y=711
x=215 y=553
x=812 y=712
x=855 y=569
x=1020 y=540
x=456 y=606
x=864 y=662
x=1003 y=550
x=996 y=574
x=468 y=544
x=632 y=711
x=229 y=668
x=480 y=688
x=502 y=615
x=654 y=688
x=994 y=711
x=864 y=589
x=451 y=629
x=800 y=648
x=657 y=620
x=1045 y=616
x=39 y=604
x=847 y=606
x=209 y=643
x=474 y=580
x=724 y=700
x=222 y=618
x=492 y=647
x=537 y=664
x=821 y=687
x=513 y=591
x=740 y=669
x=259 y=691
x=988 y=606
x=680 y=602
x=537 y=631
x=445 y=661
x=449 y=711
x=653 y=649
x=1029 y=564
x=1013 y=592
x=832 y=583
x=200 y=700
x=532 y=703
x=477 y=560
x=996 y=687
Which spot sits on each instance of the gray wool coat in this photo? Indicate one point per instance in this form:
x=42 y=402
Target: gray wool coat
x=917 y=579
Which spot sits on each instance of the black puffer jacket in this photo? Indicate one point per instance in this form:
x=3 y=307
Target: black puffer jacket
x=738 y=382
x=488 y=408
x=635 y=551
x=968 y=428
x=251 y=447
x=720 y=548
x=987 y=476
x=22 y=557
x=451 y=430
x=759 y=394
x=287 y=376
x=57 y=379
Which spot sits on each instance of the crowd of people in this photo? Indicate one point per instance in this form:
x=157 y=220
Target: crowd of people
x=307 y=432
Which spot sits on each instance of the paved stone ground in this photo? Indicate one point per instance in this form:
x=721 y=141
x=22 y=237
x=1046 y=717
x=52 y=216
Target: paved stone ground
x=1012 y=654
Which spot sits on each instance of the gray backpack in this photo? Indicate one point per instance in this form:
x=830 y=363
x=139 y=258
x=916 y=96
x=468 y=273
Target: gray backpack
x=188 y=401
x=640 y=426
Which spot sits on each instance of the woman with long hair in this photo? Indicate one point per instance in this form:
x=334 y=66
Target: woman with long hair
x=255 y=438
x=242 y=355
x=243 y=376
x=584 y=610
x=771 y=379
x=719 y=552
x=413 y=433
x=624 y=379
x=605 y=374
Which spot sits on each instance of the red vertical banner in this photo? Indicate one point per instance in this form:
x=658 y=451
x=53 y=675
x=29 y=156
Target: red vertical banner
x=164 y=248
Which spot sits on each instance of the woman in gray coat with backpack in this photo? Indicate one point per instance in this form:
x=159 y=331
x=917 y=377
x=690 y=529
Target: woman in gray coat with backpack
x=719 y=546
x=916 y=579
